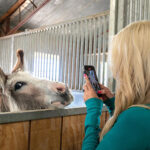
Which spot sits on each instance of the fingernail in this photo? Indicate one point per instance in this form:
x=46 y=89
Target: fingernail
x=85 y=75
x=99 y=92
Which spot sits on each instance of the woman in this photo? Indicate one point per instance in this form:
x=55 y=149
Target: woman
x=129 y=126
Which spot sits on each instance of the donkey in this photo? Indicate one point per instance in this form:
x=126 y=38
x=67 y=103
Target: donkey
x=21 y=91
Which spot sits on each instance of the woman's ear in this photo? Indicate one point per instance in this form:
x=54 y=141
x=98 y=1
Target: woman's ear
x=20 y=61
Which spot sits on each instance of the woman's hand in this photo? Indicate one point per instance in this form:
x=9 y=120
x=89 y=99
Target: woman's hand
x=106 y=93
x=88 y=90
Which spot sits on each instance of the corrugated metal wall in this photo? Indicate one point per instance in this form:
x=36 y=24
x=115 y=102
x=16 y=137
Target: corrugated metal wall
x=122 y=13
x=132 y=10
x=59 y=52
x=6 y=54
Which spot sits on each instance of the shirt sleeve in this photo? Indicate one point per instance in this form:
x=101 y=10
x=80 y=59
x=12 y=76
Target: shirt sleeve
x=92 y=122
x=110 y=103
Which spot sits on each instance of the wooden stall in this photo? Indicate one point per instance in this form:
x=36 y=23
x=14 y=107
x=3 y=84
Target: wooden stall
x=44 y=129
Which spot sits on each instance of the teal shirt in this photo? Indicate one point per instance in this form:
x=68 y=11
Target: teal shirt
x=130 y=132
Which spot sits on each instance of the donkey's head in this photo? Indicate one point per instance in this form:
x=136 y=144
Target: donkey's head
x=21 y=91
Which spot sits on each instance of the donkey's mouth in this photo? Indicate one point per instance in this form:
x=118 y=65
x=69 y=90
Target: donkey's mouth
x=59 y=103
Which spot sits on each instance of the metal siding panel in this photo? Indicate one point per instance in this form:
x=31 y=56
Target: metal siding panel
x=73 y=57
x=86 y=43
x=60 y=52
x=66 y=54
x=99 y=46
x=63 y=54
x=104 y=48
x=148 y=10
x=50 y=53
x=56 y=46
x=70 y=55
x=95 y=44
x=82 y=31
x=77 y=57
x=90 y=42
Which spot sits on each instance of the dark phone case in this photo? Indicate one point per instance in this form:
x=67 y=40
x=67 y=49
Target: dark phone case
x=94 y=80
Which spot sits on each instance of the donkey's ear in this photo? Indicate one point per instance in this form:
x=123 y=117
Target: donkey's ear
x=3 y=78
x=20 y=61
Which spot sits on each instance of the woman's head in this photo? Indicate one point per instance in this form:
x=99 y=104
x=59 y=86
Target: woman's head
x=130 y=61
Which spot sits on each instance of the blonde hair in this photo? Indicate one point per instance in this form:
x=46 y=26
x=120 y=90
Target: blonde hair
x=130 y=58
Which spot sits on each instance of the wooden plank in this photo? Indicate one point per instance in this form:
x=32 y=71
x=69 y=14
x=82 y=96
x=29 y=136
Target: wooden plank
x=14 y=136
x=45 y=134
x=73 y=132
x=21 y=23
x=12 y=10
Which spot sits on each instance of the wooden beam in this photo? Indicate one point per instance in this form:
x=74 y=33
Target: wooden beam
x=20 y=24
x=12 y=10
x=33 y=3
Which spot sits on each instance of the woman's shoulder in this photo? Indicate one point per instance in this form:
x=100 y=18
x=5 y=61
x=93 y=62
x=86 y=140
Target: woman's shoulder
x=136 y=115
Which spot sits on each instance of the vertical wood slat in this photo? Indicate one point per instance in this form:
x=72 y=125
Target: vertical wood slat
x=45 y=134
x=73 y=132
x=14 y=136
x=52 y=133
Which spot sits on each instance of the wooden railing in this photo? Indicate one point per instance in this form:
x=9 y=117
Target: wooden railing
x=59 y=133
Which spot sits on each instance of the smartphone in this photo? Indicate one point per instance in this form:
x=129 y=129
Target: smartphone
x=91 y=73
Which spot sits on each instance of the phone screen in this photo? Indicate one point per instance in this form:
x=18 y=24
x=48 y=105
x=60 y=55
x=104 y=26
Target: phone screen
x=91 y=73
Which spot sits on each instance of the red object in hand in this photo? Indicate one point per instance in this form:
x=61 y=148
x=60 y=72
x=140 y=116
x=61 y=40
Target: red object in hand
x=99 y=92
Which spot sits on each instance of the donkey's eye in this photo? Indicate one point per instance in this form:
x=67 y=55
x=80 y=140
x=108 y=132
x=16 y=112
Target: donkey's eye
x=18 y=85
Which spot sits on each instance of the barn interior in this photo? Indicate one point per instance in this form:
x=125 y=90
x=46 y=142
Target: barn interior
x=58 y=38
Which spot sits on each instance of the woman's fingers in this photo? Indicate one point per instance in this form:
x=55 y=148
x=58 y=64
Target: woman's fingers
x=85 y=87
x=102 y=86
x=102 y=92
x=88 y=83
x=107 y=93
